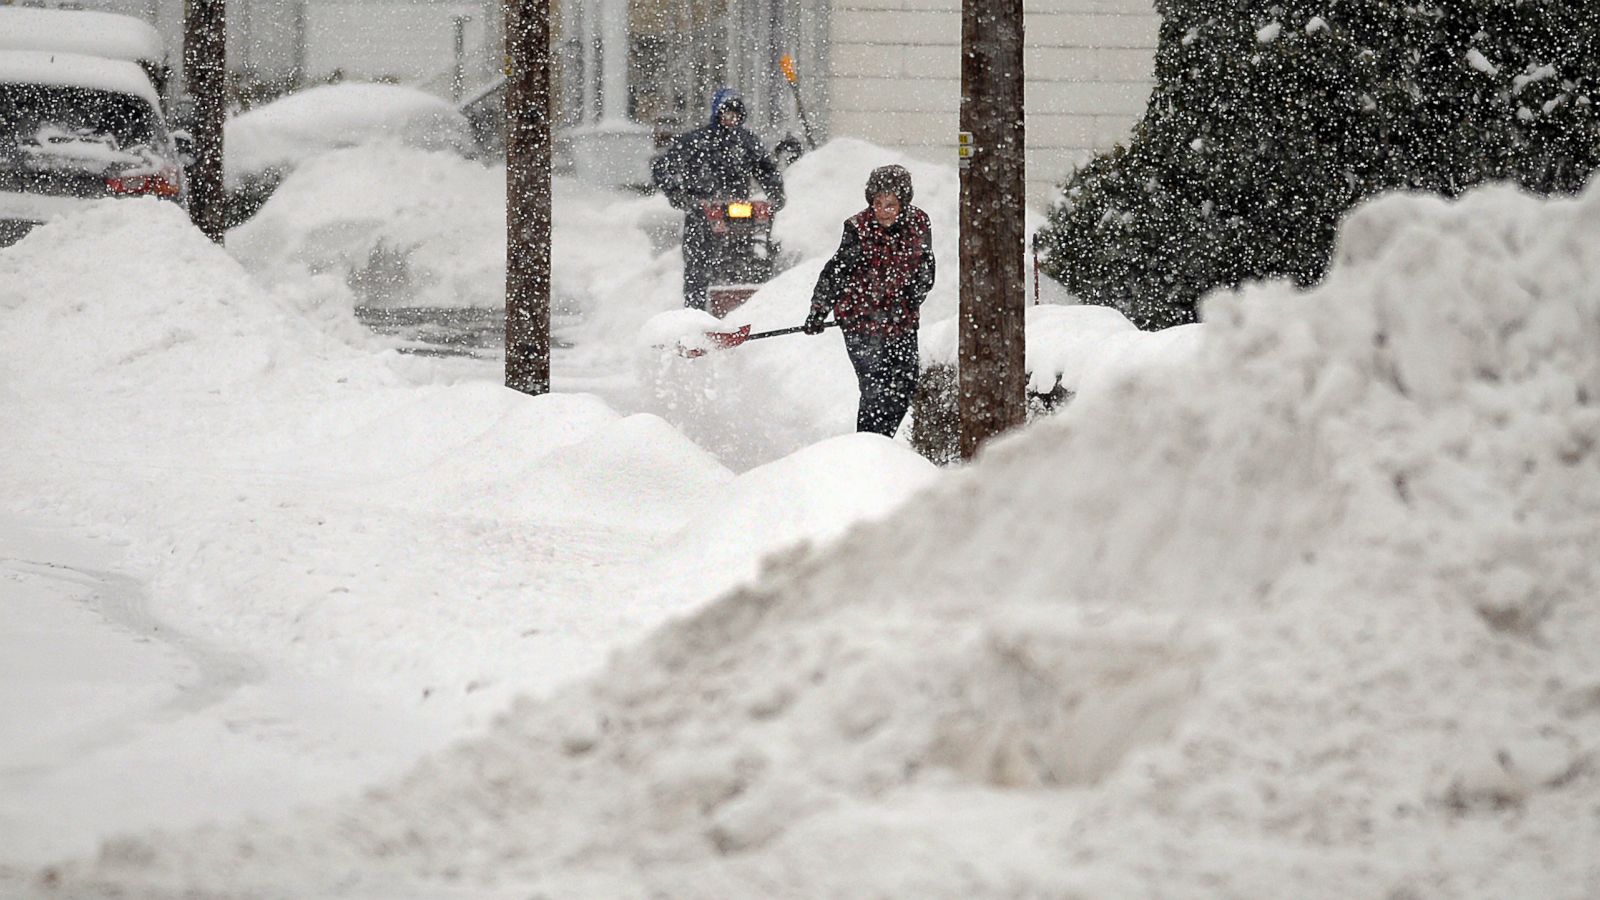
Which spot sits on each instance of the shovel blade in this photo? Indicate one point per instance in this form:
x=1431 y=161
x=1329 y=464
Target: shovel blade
x=718 y=340
x=725 y=339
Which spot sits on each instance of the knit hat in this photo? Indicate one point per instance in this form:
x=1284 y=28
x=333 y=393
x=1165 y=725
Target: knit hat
x=726 y=99
x=890 y=180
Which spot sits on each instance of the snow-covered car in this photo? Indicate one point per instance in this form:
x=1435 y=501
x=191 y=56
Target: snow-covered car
x=75 y=129
x=89 y=33
x=265 y=144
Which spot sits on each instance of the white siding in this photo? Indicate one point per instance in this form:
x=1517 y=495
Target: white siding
x=896 y=78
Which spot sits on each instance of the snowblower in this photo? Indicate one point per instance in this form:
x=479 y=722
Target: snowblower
x=743 y=254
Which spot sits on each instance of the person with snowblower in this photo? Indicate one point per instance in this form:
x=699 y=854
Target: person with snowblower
x=715 y=161
x=874 y=285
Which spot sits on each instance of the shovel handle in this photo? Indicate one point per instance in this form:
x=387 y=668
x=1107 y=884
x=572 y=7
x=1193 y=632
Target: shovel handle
x=729 y=339
x=766 y=334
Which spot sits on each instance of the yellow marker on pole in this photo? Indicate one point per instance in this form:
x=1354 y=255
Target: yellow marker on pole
x=786 y=63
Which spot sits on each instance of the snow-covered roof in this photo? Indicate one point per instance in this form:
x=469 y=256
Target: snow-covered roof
x=88 y=33
x=29 y=67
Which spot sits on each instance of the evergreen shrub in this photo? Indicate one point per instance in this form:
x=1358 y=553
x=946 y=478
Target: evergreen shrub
x=1270 y=120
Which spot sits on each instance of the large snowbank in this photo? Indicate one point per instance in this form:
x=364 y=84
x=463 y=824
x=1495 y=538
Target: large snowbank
x=1312 y=612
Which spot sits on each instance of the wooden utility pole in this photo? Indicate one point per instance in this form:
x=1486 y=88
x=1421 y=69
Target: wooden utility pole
x=458 y=67
x=528 y=196
x=993 y=383
x=205 y=68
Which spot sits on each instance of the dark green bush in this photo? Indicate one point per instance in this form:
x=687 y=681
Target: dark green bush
x=1256 y=143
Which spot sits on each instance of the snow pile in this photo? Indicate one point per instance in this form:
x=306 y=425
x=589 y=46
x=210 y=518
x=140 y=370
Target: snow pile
x=160 y=304
x=408 y=227
x=813 y=495
x=287 y=132
x=1313 y=609
x=400 y=226
x=741 y=406
x=683 y=331
x=1076 y=348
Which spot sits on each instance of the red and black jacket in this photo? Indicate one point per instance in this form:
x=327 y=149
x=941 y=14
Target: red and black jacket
x=877 y=279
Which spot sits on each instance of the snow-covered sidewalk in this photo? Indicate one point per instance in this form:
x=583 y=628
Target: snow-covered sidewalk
x=119 y=720
x=390 y=557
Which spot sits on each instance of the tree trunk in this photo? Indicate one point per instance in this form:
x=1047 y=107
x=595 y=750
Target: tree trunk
x=993 y=204
x=205 y=67
x=528 y=196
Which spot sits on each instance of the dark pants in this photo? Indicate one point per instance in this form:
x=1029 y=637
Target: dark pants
x=886 y=370
x=698 y=258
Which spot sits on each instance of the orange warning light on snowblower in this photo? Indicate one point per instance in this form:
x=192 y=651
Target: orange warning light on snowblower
x=787 y=65
x=740 y=210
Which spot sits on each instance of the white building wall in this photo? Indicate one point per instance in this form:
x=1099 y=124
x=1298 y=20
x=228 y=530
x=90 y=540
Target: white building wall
x=412 y=42
x=896 y=78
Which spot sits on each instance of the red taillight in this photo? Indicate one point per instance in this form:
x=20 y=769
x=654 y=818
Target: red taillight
x=161 y=184
x=762 y=210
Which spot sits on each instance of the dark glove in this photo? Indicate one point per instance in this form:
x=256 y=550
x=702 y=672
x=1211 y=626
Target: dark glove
x=814 y=324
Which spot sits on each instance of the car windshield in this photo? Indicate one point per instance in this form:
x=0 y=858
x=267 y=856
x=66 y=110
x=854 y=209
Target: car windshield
x=55 y=128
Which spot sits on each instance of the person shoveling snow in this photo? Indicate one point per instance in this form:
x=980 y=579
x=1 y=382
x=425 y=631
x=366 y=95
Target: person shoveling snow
x=875 y=285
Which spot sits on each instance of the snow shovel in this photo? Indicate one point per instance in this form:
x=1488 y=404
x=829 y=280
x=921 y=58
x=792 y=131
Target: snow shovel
x=722 y=340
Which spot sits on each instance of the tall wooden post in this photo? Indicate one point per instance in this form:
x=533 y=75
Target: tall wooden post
x=528 y=196
x=993 y=383
x=205 y=67
x=458 y=65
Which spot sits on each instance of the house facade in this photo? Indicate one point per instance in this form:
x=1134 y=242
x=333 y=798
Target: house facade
x=894 y=77
x=889 y=71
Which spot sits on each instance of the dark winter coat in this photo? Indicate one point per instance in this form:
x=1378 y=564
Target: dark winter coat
x=715 y=161
x=876 y=281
